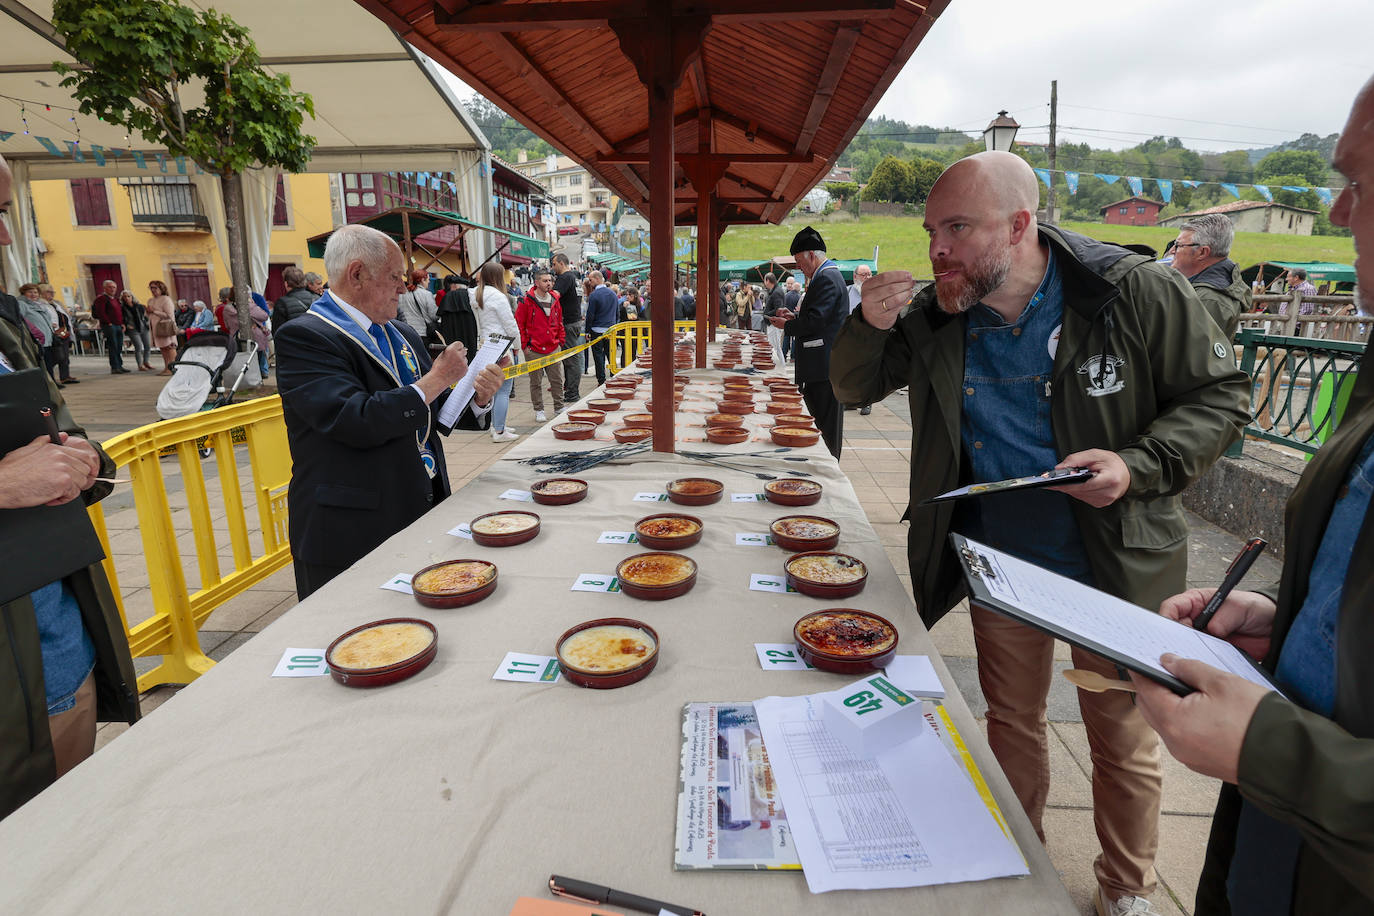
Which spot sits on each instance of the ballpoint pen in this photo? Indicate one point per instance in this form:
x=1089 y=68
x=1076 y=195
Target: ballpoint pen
x=50 y=423
x=595 y=893
x=1234 y=573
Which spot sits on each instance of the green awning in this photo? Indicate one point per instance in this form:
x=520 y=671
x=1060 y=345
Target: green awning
x=421 y=221
x=1317 y=271
x=753 y=271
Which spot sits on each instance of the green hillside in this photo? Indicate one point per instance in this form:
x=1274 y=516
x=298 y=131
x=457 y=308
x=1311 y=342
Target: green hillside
x=902 y=242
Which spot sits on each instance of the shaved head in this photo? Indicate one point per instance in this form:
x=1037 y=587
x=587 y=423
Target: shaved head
x=1002 y=182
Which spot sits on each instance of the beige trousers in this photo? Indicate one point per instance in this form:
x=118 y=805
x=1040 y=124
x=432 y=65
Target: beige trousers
x=73 y=731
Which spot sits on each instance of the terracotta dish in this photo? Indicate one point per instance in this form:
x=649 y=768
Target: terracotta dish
x=823 y=574
x=559 y=491
x=738 y=407
x=669 y=531
x=587 y=416
x=727 y=435
x=607 y=652
x=382 y=652
x=796 y=438
x=724 y=419
x=604 y=404
x=638 y=419
x=629 y=434
x=805 y=532
x=454 y=583
x=845 y=641
x=574 y=430
x=792 y=492
x=695 y=491
x=505 y=528
x=656 y=576
x=794 y=421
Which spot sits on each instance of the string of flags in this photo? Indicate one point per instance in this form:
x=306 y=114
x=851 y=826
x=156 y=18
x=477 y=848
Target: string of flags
x=1166 y=185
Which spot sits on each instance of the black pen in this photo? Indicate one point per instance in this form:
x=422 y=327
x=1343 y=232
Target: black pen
x=54 y=434
x=595 y=893
x=1234 y=573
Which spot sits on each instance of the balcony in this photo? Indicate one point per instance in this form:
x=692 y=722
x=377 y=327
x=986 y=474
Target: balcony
x=167 y=208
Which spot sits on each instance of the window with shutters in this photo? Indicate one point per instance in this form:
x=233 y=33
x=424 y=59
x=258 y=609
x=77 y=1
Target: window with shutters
x=90 y=204
x=281 y=216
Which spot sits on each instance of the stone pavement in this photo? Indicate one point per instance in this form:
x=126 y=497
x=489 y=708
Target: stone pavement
x=876 y=458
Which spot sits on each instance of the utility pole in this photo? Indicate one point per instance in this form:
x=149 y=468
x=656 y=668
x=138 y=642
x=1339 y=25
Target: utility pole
x=1054 y=115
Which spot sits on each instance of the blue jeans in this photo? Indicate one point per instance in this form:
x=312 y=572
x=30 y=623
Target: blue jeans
x=114 y=344
x=500 y=406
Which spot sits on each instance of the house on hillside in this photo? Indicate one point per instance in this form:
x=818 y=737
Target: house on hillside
x=1257 y=216
x=1133 y=211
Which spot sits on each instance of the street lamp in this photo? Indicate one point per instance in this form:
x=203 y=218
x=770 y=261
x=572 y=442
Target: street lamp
x=1000 y=132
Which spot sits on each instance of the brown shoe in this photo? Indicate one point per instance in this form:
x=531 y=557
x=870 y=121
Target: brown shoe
x=166 y=372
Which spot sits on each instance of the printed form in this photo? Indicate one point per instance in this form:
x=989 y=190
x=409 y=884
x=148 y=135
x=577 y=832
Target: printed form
x=906 y=818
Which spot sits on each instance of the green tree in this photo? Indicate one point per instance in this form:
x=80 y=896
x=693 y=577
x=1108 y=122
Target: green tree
x=842 y=190
x=924 y=173
x=1235 y=167
x=1308 y=167
x=892 y=180
x=142 y=56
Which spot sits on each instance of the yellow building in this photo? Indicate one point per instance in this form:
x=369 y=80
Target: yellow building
x=134 y=230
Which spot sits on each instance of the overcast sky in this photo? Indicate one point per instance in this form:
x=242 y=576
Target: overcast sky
x=1244 y=73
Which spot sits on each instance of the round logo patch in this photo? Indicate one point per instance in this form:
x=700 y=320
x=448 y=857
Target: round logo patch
x=1053 y=343
x=1219 y=350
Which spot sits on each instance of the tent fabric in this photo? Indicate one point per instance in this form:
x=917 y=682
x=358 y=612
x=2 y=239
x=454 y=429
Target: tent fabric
x=1317 y=271
x=423 y=220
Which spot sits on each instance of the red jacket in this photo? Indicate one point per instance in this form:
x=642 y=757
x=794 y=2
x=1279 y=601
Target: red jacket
x=107 y=311
x=541 y=333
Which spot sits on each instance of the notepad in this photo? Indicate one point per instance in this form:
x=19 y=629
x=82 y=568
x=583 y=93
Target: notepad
x=1121 y=632
x=489 y=353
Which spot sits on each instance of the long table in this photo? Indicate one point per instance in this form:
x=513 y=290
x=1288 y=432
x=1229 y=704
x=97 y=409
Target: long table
x=452 y=792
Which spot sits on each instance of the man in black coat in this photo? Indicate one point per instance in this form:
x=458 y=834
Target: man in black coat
x=814 y=326
x=361 y=400
x=294 y=302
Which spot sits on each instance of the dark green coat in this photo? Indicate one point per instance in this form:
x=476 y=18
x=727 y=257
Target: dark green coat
x=26 y=758
x=1224 y=293
x=1180 y=403
x=1299 y=767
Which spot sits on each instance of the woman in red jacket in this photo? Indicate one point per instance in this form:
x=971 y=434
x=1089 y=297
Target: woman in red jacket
x=541 y=329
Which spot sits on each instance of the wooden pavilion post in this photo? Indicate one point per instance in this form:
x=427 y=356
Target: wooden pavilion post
x=710 y=277
x=705 y=218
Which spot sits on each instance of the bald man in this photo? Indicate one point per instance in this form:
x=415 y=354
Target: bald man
x=1038 y=348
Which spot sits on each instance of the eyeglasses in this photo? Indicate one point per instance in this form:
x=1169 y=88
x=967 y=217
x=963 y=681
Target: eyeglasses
x=1188 y=245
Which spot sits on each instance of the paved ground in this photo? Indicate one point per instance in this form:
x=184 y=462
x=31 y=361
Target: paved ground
x=877 y=459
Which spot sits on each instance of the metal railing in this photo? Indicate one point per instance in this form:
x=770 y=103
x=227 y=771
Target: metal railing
x=178 y=612
x=167 y=205
x=1299 y=386
x=629 y=337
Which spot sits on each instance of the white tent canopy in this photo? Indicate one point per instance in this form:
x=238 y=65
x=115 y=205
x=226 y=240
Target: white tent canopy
x=380 y=106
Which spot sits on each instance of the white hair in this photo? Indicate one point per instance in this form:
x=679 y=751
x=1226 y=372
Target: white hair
x=197 y=305
x=356 y=243
x=1214 y=230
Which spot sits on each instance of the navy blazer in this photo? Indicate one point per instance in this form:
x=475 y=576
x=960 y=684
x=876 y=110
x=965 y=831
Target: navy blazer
x=819 y=316
x=356 y=474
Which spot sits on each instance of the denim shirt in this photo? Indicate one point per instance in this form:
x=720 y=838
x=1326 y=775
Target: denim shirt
x=1262 y=871
x=1007 y=431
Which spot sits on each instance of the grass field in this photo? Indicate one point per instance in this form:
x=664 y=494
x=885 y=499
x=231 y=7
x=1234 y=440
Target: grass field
x=902 y=242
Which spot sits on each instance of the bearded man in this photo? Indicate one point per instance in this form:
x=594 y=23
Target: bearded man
x=1038 y=348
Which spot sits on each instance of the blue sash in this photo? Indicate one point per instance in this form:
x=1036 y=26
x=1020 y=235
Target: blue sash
x=396 y=358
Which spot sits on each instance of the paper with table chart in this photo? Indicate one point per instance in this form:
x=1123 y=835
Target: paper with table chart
x=491 y=351
x=906 y=818
x=1130 y=635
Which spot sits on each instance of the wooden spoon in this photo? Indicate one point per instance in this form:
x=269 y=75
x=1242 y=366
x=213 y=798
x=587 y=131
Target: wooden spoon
x=1093 y=682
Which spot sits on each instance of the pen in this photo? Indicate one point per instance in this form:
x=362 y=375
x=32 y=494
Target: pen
x=54 y=434
x=1234 y=573
x=595 y=893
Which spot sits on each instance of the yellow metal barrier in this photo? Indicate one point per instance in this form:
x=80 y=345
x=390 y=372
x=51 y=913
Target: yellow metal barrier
x=178 y=612
x=629 y=337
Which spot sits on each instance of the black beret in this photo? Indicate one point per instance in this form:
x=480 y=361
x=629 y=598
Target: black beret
x=807 y=240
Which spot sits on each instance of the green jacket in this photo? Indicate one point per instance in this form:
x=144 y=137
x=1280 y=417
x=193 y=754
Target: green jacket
x=26 y=758
x=1169 y=403
x=1299 y=767
x=1224 y=293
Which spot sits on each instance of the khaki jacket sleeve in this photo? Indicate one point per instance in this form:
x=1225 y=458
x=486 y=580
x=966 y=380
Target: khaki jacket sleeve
x=868 y=364
x=1307 y=771
x=1203 y=399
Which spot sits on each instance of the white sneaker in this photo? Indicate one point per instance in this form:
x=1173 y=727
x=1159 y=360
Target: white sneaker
x=506 y=436
x=539 y=416
x=1124 y=906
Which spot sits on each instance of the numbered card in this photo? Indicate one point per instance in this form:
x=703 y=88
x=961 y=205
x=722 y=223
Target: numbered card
x=753 y=539
x=521 y=495
x=532 y=669
x=651 y=497
x=780 y=656
x=873 y=715
x=462 y=531
x=301 y=663
x=770 y=582
x=618 y=537
x=747 y=498
x=596 y=582
x=399 y=583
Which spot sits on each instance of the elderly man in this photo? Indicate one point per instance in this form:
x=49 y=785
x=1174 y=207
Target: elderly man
x=360 y=398
x=1038 y=348
x=856 y=289
x=814 y=325
x=296 y=301
x=64 y=660
x=1201 y=253
x=1294 y=827
x=107 y=310
x=774 y=302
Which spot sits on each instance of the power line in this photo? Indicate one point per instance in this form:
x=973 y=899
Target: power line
x=1158 y=117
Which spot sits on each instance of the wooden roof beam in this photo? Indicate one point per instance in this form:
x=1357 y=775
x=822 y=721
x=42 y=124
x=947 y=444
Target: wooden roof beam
x=515 y=59
x=615 y=158
x=747 y=127
x=595 y=14
x=846 y=37
x=688 y=197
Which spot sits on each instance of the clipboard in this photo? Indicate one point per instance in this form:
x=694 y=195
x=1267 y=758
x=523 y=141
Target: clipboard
x=489 y=352
x=40 y=544
x=1051 y=478
x=1123 y=633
